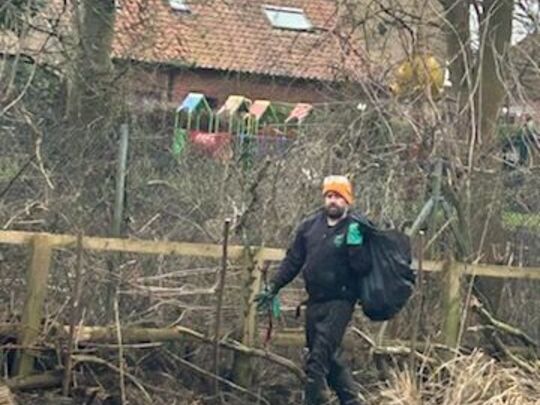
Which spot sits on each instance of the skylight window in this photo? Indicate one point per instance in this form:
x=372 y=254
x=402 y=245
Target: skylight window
x=178 y=5
x=288 y=18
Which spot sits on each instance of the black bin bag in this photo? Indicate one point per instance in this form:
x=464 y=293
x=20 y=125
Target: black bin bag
x=385 y=290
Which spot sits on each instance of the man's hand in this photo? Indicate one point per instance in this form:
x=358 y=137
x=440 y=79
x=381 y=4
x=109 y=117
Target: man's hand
x=265 y=299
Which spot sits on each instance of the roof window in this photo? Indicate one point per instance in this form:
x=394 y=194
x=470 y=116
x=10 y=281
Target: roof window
x=288 y=18
x=179 y=5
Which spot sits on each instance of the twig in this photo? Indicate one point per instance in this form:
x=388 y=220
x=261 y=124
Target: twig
x=158 y=292
x=80 y=358
x=382 y=331
x=364 y=336
x=19 y=97
x=465 y=313
x=420 y=304
x=392 y=350
x=16 y=176
x=96 y=334
x=515 y=359
x=221 y=287
x=424 y=213
x=39 y=159
x=439 y=233
x=120 y=351
x=189 y=272
x=74 y=316
x=436 y=191
x=501 y=326
x=252 y=191
x=217 y=378
x=36 y=381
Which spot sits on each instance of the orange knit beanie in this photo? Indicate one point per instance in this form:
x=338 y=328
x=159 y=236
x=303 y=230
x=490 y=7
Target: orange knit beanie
x=340 y=185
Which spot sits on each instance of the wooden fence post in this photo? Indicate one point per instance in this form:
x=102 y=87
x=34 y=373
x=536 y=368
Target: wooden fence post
x=36 y=286
x=242 y=369
x=451 y=304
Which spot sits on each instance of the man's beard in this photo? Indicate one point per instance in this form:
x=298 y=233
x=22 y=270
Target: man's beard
x=334 y=212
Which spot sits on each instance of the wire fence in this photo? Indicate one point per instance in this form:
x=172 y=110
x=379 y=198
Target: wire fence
x=186 y=198
x=266 y=193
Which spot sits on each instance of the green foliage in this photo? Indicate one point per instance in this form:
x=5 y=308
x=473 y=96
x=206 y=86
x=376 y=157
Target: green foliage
x=13 y=13
x=515 y=220
x=43 y=93
x=507 y=130
x=8 y=168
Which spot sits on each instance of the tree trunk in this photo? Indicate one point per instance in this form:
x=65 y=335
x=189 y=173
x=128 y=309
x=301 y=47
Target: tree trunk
x=495 y=40
x=479 y=196
x=457 y=43
x=495 y=32
x=90 y=89
x=91 y=111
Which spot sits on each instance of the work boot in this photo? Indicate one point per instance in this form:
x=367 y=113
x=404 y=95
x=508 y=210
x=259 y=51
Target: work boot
x=346 y=389
x=316 y=392
x=342 y=382
x=346 y=393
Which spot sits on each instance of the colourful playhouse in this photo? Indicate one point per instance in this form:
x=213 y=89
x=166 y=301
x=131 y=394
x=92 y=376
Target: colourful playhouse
x=240 y=129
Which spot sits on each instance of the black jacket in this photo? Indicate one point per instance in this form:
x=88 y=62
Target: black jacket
x=329 y=266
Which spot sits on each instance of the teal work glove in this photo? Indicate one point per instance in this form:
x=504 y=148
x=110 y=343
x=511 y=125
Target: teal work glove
x=354 y=235
x=276 y=307
x=267 y=300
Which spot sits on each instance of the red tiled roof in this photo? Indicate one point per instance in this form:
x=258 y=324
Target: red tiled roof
x=235 y=35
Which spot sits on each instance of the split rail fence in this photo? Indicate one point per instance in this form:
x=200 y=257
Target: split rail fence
x=43 y=244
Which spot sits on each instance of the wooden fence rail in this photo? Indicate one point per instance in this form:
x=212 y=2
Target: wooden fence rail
x=57 y=241
x=42 y=245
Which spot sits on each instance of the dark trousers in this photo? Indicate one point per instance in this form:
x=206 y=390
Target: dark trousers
x=326 y=323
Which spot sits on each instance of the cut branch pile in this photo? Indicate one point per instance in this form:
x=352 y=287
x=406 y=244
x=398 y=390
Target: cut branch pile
x=88 y=335
x=6 y=397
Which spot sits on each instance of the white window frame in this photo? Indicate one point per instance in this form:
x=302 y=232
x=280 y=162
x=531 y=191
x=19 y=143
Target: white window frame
x=269 y=9
x=179 y=5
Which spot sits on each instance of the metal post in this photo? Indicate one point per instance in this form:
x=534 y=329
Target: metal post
x=118 y=211
x=120 y=180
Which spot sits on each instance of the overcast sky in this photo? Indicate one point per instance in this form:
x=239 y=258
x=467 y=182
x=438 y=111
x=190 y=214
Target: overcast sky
x=526 y=18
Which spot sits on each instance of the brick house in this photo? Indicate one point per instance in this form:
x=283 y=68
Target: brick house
x=282 y=50
x=285 y=50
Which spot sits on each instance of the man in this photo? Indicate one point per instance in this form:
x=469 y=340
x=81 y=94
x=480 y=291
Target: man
x=328 y=249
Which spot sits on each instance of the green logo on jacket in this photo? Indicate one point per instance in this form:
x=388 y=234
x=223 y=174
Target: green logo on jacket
x=338 y=240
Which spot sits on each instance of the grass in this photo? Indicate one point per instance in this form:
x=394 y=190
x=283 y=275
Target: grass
x=466 y=380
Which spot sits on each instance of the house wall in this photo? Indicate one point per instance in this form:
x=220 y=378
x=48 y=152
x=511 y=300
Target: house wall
x=219 y=85
x=172 y=85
